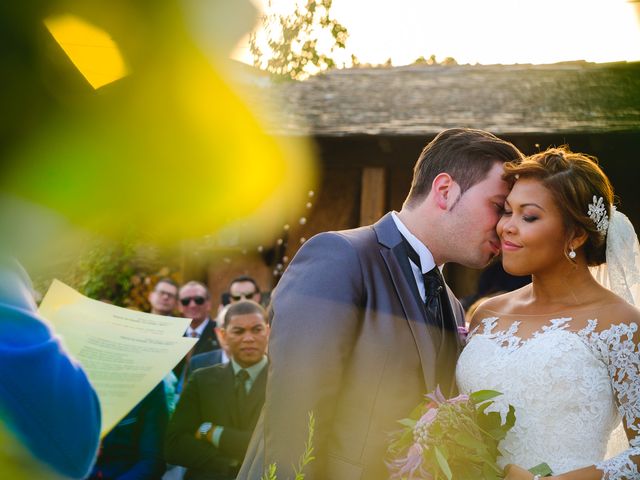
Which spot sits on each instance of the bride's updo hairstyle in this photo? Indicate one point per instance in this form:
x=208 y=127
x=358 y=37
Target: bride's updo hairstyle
x=573 y=179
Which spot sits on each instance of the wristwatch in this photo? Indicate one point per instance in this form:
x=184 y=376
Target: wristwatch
x=204 y=430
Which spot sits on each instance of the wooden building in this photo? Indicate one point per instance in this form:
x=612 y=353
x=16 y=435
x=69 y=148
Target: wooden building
x=369 y=126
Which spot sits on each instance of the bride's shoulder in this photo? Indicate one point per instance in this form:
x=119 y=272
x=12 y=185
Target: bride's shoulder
x=618 y=312
x=494 y=306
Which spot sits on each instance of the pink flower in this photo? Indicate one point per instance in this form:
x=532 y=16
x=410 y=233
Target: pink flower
x=463 y=333
x=410 y=467
x=437 y=396
x=428 y=418
x=458 y=399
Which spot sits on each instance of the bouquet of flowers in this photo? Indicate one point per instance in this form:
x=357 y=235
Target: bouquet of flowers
x=453 y=439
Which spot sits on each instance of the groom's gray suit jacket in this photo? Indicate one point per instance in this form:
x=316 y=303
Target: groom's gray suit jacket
x=351 y=342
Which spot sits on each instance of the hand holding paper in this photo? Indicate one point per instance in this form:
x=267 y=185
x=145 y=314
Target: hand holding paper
x=124 y=352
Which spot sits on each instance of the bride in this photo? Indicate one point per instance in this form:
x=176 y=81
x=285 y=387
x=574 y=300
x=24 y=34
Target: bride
x=563 y=350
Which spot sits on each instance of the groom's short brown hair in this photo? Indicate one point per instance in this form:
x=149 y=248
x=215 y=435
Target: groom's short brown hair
x=464 y=153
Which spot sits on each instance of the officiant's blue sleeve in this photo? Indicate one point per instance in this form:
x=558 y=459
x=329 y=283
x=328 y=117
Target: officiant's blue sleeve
x=46 y=400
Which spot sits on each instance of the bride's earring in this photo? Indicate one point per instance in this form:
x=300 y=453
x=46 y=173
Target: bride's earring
x=572 y=253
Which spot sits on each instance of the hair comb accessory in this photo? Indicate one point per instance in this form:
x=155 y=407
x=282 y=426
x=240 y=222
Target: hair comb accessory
x=598 y=213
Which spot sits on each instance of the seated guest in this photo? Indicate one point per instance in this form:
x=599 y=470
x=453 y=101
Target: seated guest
x=133 y=449
x=47 y=404
x=219 y=407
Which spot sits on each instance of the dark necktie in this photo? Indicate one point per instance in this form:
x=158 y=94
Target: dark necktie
x=433 y=289
x=241 y=387
x=438 y=307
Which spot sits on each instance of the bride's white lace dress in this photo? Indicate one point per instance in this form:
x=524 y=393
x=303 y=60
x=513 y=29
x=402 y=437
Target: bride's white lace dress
x=570 y=381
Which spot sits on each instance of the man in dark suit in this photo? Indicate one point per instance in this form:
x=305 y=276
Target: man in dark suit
x=361 y=327
x=220 y=405
x=195 y=303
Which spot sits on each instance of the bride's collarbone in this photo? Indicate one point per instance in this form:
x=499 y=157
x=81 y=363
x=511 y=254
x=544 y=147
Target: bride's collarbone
x=531 y=318
x=531 y=301
x=524 y=304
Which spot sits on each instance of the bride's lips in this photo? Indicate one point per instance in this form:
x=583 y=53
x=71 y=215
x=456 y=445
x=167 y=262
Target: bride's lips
x=508 y=246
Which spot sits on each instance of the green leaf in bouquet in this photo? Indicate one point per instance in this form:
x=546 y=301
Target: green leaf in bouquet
x=408 y=422
x=483 y=395
x=489 y=472
x=490 y=421
x=418 y=411
x=443 y=464
x=401 y=440
x=498 y=433
x=482 y=407
x=468 y=471
x=467 y=440
x=543 y=470
x=476 y=458
x=511 y=418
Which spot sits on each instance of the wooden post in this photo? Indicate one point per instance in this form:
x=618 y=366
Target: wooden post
x=373 y=195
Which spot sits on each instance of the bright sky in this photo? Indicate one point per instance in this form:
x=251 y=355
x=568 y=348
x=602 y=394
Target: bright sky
x=487 y=31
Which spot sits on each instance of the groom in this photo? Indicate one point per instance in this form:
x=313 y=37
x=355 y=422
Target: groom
x=353 y=340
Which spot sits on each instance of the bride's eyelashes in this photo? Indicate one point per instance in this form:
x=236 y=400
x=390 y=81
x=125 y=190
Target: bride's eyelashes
x=526 y=218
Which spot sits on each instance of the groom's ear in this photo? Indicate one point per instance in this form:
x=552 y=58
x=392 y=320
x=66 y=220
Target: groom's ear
x=445 y=191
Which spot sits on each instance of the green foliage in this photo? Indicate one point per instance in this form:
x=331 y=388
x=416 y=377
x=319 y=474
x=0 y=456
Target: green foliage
x=294 y=42
x=270 y=474
x=119 y=272
x=432 y=61
x=102 y=271
x=543 y=470
x=305 y=459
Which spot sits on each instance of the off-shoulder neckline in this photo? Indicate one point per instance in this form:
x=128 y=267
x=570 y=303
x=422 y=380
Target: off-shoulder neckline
x=561 y=314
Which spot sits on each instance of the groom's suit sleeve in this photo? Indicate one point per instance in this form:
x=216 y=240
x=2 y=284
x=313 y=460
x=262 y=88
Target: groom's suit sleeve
x=316 y=319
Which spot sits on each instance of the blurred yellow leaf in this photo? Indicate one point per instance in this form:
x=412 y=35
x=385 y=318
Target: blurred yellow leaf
x=90 y=48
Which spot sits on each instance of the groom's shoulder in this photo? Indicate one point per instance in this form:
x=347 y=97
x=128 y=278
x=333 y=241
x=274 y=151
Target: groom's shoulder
x=355 y=237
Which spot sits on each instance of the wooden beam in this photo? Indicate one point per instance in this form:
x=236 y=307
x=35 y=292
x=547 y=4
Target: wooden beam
x=373 y=195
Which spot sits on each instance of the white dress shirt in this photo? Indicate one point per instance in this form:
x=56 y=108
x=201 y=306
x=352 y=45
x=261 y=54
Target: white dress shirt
x=426 y=258
x=198 y=330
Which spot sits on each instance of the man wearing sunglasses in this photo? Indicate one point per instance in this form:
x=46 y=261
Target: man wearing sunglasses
x=244 y=288
x=195 y=303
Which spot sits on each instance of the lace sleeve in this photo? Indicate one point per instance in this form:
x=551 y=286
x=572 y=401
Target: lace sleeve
x=619 y=345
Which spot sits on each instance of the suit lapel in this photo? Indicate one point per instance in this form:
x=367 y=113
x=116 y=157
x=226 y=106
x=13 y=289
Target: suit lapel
x=227 y=386
x=397 y=263
x=205 y=342
x=256 y=396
